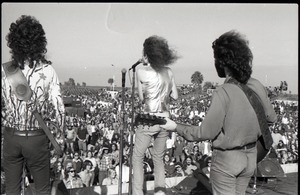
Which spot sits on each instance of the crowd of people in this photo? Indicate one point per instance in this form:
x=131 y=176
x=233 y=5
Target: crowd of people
x=91 y=142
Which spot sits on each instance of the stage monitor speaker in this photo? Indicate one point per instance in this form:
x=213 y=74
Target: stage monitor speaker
x=269 y=167
x=196 y=184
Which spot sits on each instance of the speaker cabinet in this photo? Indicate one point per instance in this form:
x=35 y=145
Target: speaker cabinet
x=269 y=167
x=194 y=185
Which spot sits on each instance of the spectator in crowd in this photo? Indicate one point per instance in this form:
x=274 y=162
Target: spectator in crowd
x=105 y=164
x=70 y=138
x=71 y=179
x=206 y=169
x=82 y=137
x=77 y=162
x=86 y=173
x=170 y=143
x=178 y=149
x=56 y=176
x=115 y=154
x=59 y=137
x=188 y=166
x=111 y=179
x=90 y=156
x=125 y=169
x=66 y=165
x=169 y=166
x=92 y=138
x=179 y=170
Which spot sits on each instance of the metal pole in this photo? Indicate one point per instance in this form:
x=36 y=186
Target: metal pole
x=132 y=130
x=121 y=139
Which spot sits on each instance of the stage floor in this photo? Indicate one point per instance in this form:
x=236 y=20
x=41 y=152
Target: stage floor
x=272 y=186
x=265 y=186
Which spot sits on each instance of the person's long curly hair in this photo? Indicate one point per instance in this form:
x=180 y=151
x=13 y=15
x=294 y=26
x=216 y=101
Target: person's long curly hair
x=27 y=41
x=157 y=50
x=232 y=50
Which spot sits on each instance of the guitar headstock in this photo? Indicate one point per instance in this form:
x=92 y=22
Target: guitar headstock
x=147 y=119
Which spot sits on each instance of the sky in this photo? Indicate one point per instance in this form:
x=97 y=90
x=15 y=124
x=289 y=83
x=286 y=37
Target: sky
x=92 y=42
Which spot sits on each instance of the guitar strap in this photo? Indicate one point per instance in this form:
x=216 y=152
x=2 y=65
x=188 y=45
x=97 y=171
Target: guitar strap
x=17 y=81
x=21 y=89
x=258 y=108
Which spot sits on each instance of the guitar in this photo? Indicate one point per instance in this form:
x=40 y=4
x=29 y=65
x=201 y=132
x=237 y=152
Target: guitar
x=147 y=119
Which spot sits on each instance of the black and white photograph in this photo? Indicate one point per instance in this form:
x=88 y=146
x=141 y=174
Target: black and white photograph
x=128 y=98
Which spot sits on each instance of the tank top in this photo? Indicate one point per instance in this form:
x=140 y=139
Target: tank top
x=157 y=87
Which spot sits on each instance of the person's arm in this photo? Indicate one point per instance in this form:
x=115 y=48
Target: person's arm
x=210 y=127
x=140 y=85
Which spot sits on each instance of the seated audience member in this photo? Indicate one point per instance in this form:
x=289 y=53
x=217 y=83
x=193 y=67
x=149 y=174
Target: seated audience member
x=179 y=170
x=111 y=179
x=77 y=162
x=72 y=180
x=189 y=167
x=206 y=169
x=86 y=174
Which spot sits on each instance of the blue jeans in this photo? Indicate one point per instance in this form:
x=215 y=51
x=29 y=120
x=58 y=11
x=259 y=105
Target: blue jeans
x=143 y=136
x=231 y=170
x=35 y=151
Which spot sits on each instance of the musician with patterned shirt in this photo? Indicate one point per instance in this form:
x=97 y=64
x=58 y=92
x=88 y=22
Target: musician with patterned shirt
x=29 y=83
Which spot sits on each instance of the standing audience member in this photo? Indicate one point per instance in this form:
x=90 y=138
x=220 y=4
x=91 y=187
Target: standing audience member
x=169 y=166
x=178 y=149
x=82 y=136
x=70 y=138
x=105 y=164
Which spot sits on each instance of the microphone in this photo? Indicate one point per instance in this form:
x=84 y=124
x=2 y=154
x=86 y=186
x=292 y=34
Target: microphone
x=123 y=77
x=137 y=63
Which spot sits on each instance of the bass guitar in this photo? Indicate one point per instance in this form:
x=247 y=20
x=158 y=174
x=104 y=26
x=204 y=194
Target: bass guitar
x=148 y=119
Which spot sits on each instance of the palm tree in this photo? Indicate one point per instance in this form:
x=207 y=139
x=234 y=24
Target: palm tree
x=197 y=78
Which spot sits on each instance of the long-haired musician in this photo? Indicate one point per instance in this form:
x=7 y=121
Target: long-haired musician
x=156 y=85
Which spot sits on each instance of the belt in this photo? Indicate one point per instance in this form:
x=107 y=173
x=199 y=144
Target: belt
x=25 y=133
x=245 y=147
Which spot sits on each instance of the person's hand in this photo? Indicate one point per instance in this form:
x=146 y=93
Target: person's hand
x=170 y=125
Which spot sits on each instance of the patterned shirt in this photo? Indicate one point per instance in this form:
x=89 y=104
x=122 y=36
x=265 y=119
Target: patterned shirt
x=46 y=99
x=74 y=182
x=106 y=162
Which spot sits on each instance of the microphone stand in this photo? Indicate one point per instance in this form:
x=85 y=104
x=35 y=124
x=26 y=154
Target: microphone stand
x=132 y=130
x=121 y=139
